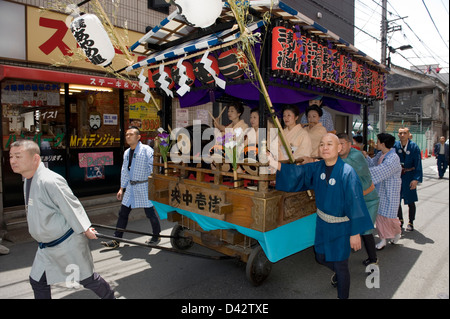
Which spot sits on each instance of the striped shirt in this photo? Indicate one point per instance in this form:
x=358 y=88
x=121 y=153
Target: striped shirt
x=387 y=180
x=141 y=168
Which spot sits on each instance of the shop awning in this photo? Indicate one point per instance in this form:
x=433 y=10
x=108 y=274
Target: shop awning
x=16 y=72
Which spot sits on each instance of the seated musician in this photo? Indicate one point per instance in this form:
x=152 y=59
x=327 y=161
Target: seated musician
x=235 y=112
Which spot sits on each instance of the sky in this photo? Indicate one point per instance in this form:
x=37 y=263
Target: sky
x=430 y=43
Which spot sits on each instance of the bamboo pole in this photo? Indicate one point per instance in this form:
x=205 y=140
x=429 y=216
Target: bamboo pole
x=247 y=49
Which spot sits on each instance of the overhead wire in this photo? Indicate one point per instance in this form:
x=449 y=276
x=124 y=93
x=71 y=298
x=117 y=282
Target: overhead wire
x=433 y=54
x=432 y=20
x=373 y=14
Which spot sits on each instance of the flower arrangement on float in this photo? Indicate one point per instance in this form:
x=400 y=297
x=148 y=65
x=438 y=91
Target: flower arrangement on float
x=233 y=144
x=163 y=139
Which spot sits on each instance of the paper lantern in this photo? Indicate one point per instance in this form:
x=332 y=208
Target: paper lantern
x=230 y=65
x=93 y=39
x=189 y=72
x=151 y=83
x=202 y=74
x=199 y=13
x=165 y=81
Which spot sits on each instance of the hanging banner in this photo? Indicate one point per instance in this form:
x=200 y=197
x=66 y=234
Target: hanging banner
x=298 y=55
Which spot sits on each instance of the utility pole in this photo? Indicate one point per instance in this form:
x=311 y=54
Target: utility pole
x=384 y=31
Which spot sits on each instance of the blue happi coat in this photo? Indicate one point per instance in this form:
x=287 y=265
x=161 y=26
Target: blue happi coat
x=409 y=159
x=341 y=196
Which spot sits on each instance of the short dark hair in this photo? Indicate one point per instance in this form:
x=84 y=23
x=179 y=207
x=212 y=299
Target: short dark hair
x=314 y=108
x=344 y=136
x=358 y=138
x=292 y=108
x=238 y=106
x=387 y=139
x=135 y=128
x=255 y=110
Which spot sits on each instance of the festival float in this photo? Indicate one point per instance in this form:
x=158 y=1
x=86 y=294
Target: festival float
x=267 y=54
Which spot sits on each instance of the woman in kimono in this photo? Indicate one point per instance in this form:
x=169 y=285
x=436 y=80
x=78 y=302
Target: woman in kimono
x=314 y=128
x=58 y=222
x=235 y=112
x=296 y=136
x=237 y=125
x=341 y=211
x=385 y=169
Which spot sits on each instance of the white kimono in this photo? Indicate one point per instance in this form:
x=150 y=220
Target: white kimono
x=53 y=209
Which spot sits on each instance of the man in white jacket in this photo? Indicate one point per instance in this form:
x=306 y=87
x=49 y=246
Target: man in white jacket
x=58 y=222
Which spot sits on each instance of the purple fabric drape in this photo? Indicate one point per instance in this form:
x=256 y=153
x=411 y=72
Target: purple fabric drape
x=279 y=96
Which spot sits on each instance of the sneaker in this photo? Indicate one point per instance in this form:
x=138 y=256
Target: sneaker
x=410 y=227
x=395 y=239
x=113 y=244
x=4 y=250
x=369 y=261
x=153 y=241
x=381 y=244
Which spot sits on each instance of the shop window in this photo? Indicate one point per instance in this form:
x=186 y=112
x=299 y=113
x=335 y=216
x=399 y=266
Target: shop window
x=35 y=111
x=142 y=115
x=94 y=117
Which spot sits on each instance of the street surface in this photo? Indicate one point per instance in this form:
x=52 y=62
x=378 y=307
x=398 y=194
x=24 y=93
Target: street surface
x=417 y=267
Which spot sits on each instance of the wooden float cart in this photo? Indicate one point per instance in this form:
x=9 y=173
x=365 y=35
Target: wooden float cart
x=179 y=188
x=258 y=207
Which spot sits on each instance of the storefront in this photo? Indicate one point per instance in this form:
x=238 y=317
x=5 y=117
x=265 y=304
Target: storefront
x=76 y=113
x=78 y=121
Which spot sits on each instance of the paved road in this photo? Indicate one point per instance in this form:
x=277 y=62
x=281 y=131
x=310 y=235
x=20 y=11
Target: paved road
x=417 y=267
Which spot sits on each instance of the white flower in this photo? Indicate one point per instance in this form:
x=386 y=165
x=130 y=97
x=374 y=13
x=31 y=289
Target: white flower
x=230 y=144
x=238 y=131
x=160 y=130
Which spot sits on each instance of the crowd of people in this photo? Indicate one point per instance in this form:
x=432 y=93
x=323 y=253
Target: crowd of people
x=377 y=183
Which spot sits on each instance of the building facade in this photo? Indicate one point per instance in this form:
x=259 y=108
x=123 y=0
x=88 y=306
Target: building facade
x=73 y=109
x=419 y=101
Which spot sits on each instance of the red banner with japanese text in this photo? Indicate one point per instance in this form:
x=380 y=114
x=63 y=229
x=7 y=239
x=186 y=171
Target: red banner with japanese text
x=295 y=54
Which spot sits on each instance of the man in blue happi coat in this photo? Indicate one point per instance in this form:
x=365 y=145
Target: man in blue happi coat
x=411 y=161
x=136 y=168
x=342 y=214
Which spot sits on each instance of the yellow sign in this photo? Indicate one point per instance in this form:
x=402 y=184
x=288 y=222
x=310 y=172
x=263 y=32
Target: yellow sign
x=143 y=115
x=49 y=40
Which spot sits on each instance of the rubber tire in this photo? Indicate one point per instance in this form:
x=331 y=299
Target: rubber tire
x=180 y=243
